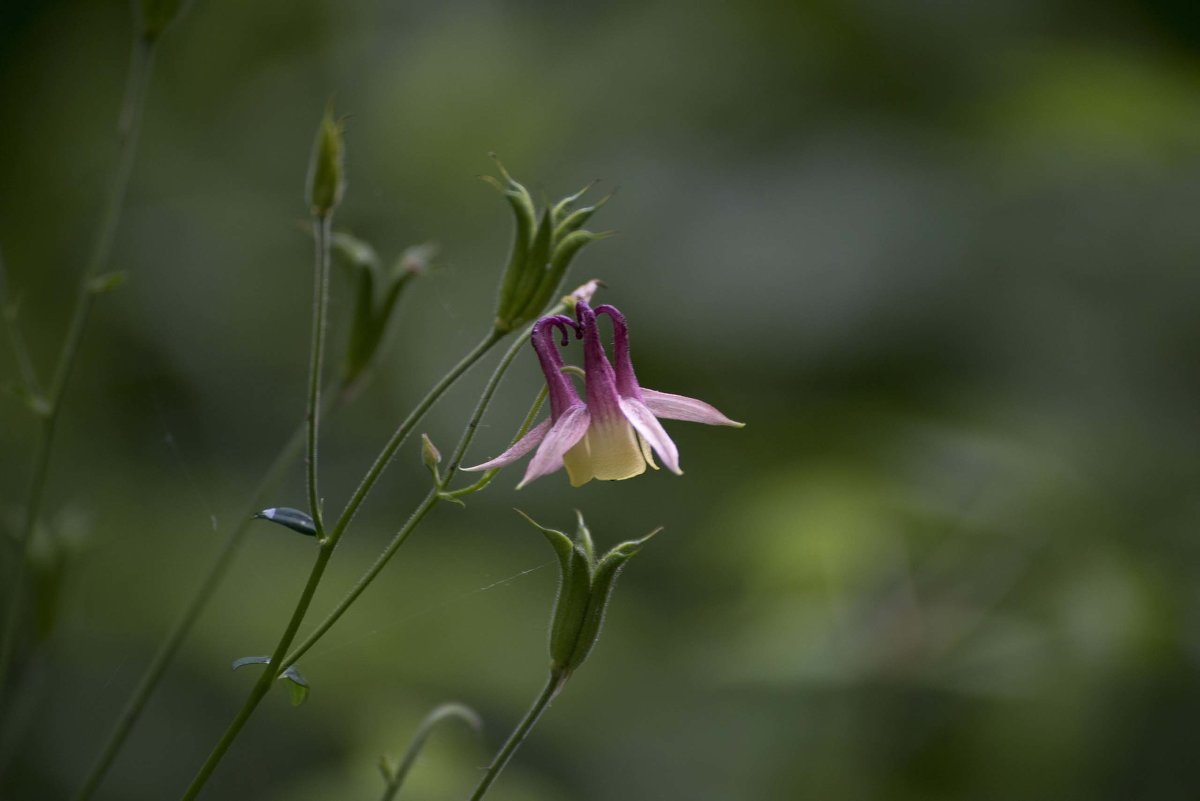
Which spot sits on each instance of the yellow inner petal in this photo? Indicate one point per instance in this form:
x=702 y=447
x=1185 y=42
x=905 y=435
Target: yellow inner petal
x=609 y=452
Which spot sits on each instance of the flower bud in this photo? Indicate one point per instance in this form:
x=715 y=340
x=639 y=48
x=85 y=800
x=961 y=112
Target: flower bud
x=543 y=247
x=430 y=455
x=326 y=169
x=585 y=588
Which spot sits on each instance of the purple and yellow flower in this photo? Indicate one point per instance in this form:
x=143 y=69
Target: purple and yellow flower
x=611 y=436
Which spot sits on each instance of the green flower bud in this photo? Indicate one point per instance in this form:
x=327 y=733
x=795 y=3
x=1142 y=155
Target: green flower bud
x=430 y=455
x=326 y=169
x=585 y=588
x=543 y=246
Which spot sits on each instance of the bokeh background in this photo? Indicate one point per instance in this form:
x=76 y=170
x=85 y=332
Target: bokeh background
x=940 y=256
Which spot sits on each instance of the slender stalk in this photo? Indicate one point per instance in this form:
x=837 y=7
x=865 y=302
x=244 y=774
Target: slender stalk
x=8 y=309
x=394 y=777
x=553 y=686
x=423 y=508
x=326 y=547
x=183 y=626
x=322 y=233
x=406 y=427
x=488 y=475
x=140 y=68
x=321 y=229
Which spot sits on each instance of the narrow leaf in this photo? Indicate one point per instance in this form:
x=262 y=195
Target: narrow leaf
x=251 y=660
x=291 y=518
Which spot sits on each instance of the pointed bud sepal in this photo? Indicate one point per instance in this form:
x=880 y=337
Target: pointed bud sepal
x=291 y=518
x=585 y=589
x=543 y=246
x=326 y=168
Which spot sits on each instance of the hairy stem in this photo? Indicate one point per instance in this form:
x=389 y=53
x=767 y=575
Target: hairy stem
x=141 y=66
x=553 y=686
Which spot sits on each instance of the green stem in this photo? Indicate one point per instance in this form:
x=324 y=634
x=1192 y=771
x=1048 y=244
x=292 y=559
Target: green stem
x=406 y=427
x=427 y=504
x=183 y=626
x=321 y=233
x=394 y=778
x=327 y=545
x=140 y=68
x=553 y=686
x=267 y=678
x=488 y=475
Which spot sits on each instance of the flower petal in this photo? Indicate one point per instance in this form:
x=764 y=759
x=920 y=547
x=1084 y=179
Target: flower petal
x=609 y=452
x=679 y=407
x=518 y=449
x=569 y=429
x=652 y=431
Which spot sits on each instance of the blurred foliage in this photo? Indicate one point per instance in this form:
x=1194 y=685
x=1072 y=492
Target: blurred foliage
x=941 y=257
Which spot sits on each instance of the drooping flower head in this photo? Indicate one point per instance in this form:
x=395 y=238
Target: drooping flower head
x=611 y=435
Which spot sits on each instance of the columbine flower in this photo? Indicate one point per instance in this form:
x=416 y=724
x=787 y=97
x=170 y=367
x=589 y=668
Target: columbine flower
x=611 y=435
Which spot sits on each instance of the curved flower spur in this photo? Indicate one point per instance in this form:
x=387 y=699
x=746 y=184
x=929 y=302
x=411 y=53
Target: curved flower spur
x=610 y=436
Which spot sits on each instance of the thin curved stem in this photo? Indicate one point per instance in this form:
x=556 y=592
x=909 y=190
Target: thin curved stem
x=322 y=234
x=140 y=69
x=423 y=508
x=553 y=686
x=327 y=544
x=187 y=619
x=406 y=427
x=488 y=475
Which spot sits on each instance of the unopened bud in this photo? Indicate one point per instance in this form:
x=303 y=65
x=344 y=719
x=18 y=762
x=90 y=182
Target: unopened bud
x=542 y=250
x=326 y=170
x=585 y=588
x=430 y=455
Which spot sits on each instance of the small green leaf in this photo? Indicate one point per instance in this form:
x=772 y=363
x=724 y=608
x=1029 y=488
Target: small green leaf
x=107 y=282
x=251 y=660
x=291 y=518
x=297 y=685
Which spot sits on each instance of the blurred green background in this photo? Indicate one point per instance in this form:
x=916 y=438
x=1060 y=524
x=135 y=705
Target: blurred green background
x=941 y=257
